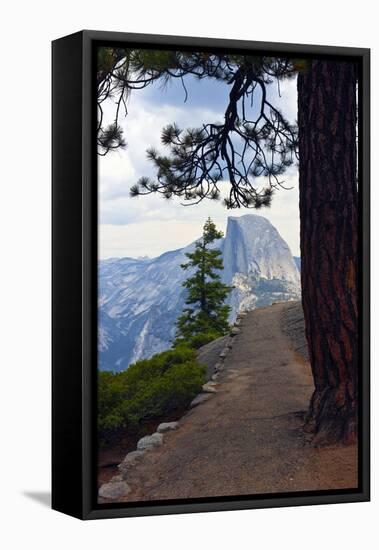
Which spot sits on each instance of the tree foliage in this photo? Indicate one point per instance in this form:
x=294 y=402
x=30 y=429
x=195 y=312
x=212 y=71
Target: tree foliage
x=148 y=389
x=119 y=71
x=111 y=63
x=206 y=318
x=253 y=140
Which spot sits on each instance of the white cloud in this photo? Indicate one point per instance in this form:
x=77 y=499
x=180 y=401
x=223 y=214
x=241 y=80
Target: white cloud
x=167 y=225
x=142 y=129
x=285 y=97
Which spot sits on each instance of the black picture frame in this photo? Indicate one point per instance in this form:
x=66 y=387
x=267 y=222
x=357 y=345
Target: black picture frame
x=74 y=333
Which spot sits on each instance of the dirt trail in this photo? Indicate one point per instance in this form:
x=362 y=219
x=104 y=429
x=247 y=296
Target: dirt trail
x=247 y=438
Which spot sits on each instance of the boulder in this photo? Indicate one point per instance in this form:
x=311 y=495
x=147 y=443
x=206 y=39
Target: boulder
x=133 y=457
x=209 y=387
x=235 y=331
x=150 y=441
x=117 y=478
x=129 y=460
x=167 y=427
x=114 y=490
x=200 y=399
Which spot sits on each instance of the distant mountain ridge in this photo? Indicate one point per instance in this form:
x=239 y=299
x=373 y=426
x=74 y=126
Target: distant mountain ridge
x=140 y=299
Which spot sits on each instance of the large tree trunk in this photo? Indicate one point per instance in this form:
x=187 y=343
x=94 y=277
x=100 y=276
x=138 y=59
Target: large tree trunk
x=328 y=236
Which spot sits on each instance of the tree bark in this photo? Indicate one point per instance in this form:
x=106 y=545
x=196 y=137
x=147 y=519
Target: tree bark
x=328 y=241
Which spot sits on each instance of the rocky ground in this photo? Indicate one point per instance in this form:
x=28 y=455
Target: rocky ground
x=292 y=324
x=209 y=354
x=244 y=434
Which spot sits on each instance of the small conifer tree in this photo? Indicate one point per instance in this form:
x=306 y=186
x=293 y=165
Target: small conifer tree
x=206 y=318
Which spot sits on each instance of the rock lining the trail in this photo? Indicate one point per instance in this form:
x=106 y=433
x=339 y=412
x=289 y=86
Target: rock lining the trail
x=150 y=441
x=201 y=398
x=209 y=387
x=167 y=427
x=132 y=458
x=114 y=490
x=129 y=461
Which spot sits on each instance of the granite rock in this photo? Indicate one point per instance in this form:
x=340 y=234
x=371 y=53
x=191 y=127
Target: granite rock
x=150 y=441
x=167 y=427
x=114 y=490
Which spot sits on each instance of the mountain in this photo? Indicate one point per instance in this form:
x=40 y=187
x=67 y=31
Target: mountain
x=140 y=299
x=297 y=260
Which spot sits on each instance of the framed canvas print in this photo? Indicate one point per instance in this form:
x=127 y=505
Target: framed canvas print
x=210 y=274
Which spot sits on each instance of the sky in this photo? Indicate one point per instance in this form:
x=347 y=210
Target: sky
x=150 y=225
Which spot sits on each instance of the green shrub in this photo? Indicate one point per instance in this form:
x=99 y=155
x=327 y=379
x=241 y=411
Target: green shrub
x=198 y=340
x=148 y=389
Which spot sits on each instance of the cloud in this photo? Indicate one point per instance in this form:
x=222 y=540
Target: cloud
x=142 y=129
x=166 y=225
x=284 y=97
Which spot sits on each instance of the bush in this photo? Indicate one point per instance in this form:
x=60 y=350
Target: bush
x=148 y=389
x=198 y=340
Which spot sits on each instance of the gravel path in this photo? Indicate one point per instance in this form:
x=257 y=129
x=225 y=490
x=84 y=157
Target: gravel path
x=247 y=438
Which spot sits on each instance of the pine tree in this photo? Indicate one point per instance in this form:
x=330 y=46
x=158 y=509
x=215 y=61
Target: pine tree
x=207 y=316
x=329 y=243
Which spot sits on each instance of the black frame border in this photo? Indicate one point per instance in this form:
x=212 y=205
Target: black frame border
x=74 y=204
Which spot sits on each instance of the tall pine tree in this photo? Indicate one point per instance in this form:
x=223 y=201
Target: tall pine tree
x=207 y=316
